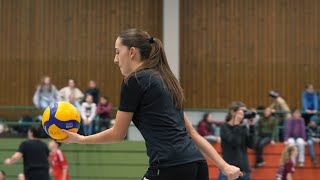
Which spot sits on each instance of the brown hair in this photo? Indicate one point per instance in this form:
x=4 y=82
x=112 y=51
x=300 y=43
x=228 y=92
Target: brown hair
x=234 y=107
x=153 y=57
x=286 y=154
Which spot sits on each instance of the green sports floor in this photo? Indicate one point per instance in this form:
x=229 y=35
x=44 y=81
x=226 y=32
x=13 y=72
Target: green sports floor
x=121 y=161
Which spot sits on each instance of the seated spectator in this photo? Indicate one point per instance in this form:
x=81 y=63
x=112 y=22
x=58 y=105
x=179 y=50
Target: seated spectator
x=207 y=130
x=88 y=113
x=2 y=175
x=309 y=103
x=71 y=89
x=45 y=94
x=93 y=91
x=266 y=134
x=313 y=137
x=104 y=109
x=279 y=105
x=287 y=163
x=21 y=176
x=296 y=134
x=72 y=100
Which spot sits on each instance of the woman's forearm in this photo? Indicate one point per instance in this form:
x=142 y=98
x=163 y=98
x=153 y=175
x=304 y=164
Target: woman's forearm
x=106 y=136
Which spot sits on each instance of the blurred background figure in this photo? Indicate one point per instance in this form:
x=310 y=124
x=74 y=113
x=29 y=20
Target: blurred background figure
x=35 y=154
x=296 y=134
x=21 y=176
x=2 y=175
x=88 y=114
x=71 y=89
x=45 y=94
x=104 y=109
x=58 y=162
x=313 y=137
x=266 y=133
x=207 y=129
x=73 y=101
x=93 y=91
x=309 y=103
x=279 y=105
x=236 y=138
x=287 y=163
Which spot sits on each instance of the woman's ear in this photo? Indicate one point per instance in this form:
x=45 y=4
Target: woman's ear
x=133 y=52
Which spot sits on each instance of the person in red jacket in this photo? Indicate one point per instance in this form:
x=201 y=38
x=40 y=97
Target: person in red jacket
x=104 y=109
x=207 y=130
x=58 y=162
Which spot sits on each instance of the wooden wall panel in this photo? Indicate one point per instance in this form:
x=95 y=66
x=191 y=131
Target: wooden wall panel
x=240 y=49
x=66 y=39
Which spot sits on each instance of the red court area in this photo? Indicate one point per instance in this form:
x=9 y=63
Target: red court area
x=272 y=155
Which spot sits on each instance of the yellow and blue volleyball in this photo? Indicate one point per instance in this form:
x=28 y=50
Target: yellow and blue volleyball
x=58 y=116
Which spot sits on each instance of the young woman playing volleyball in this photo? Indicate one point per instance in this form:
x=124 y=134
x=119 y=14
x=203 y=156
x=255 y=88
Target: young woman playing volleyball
x=153 y=99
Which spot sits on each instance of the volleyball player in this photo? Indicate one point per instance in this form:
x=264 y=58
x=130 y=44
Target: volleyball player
x=153 y=99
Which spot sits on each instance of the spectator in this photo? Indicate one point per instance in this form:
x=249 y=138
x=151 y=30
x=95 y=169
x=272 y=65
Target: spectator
x=35 y=155
x=58 y=162
x=45 y=94
x=266 y=134
x=296 y=134
x=104 y=109
x=279 y=105
x=21 y=176
x=88 y=113
x=93 y=91
x=313 y=137
x=2 y=175
x=72 y=100
x=207 y=130
x=235 y=139
x=309 y=103
x=287 y=163
x=71 y=89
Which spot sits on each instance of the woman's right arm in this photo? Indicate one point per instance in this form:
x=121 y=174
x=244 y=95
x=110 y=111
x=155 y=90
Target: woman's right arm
x=114 y=134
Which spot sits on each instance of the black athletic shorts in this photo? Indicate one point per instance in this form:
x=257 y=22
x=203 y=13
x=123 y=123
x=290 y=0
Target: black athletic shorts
x=191 y=171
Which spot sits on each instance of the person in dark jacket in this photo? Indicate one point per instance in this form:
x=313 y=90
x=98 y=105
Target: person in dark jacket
x=93 y=91
x=236 y=137
x=309 y=103
x=313 y=137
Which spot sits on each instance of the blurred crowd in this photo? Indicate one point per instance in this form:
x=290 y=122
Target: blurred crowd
x=95 y=109
x=275 y=123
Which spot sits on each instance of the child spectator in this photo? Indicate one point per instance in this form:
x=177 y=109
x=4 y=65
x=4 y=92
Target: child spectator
x=2 y=175
x=296 y=134
x=93 y=91
x=45 y=94
x=71 y=89
x=309 y=103
x=287 y=163
x=266 y=134
x=104 y=109
x=58 y=162
x=206 y=129
x=313 y=137
x=73 y=101
x=88 y=113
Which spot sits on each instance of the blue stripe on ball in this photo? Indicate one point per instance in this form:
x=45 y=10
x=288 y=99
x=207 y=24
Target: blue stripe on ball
x=61 y=124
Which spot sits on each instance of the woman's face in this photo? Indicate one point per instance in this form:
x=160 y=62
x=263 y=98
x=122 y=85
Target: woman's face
x=239 y=114
x=92 y=84
x=89 y=99
x=209 y=118
x=123 y=58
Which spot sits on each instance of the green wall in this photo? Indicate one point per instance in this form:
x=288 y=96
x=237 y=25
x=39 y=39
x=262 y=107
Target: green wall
x=121 y=161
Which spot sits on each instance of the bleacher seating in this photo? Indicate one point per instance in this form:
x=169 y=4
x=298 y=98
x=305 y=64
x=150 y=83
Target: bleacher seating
x=272 y=155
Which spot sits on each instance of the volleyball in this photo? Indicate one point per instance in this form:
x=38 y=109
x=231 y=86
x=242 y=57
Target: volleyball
x=58 y=116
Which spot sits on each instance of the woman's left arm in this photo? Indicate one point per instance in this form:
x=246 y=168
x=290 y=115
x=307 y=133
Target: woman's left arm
x=206 y=148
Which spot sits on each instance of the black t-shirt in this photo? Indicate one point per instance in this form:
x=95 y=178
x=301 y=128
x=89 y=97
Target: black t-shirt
x=35 y=156
x=235 y=141
x=159 y=121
